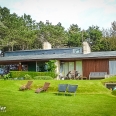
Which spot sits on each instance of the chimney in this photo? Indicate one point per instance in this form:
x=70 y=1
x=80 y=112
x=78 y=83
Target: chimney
x=46 y=45
x=86 y=48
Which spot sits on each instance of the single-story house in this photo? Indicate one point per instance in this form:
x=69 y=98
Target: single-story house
x=80 y=59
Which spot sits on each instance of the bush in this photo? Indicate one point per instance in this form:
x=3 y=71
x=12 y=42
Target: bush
x=51 y=67
x=7 y=76
x=27 y=77
x=114 y=92
x=19 y=74
x=42 y=78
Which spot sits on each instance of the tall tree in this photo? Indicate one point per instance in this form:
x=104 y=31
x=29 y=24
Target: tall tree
x=16 y=32
x=114 y=28
x=74 y=36
x=109 y=38
x=55 y=34
x=4 y=19
x=27 y=32
x=94 y=35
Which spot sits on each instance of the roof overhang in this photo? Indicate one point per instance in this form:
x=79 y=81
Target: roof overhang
x=67 y=57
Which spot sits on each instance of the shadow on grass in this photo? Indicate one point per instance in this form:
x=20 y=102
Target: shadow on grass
x=64 y=94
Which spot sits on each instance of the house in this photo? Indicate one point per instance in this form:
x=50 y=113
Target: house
x=77 y=58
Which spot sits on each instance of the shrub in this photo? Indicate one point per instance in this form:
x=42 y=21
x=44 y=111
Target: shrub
x=114 y=92
x=51 y=67
x=27 y=77
x=19 y=74
x=42 y=78
x=7 y=76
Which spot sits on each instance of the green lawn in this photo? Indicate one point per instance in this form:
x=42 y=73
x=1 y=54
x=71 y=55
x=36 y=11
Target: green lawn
x=92 y=99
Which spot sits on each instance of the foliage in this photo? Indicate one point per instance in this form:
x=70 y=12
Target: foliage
x=54 y=34
x=18 y=74
x=18 y=33
x=7 y=76
x=22 y=33
x=114 y=92
x=74 y=36
x=109 y=38
x=114 y=28
x=43 y=78
x=51 y=67
x=27 y=77
x=95 y=35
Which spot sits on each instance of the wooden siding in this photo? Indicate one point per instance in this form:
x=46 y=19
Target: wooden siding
x=100 y=65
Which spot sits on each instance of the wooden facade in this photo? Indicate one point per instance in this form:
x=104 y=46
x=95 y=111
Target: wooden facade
x=95 y=65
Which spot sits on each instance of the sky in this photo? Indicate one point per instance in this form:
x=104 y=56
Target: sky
x=84 y=13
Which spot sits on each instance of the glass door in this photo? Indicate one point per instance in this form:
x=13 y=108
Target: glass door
x=71 y=66
x=79 y=67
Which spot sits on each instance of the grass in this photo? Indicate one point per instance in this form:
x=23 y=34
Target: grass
x=92 y=99
x=111 y=80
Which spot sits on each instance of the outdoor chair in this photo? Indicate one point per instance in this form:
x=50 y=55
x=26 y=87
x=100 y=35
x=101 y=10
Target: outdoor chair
x=62 y=88
x=72 y=73
x=44 y=88
x=27 y=86
x=67 y=76
x=77 y=75
x=72 y=88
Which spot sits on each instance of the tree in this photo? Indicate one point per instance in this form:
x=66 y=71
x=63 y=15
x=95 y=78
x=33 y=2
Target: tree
x=55 y=34
x=27 y=32
x=114 y=28
x=74 y=36
x=22 y=32
x=16 y=32
x=109 y=38
x=4 y=18
x=94 y=35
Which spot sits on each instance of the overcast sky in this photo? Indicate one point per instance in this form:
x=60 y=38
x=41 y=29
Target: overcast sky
x=84 y=13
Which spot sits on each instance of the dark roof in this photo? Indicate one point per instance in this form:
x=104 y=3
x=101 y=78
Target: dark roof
x=44 y=51
x=92 y=55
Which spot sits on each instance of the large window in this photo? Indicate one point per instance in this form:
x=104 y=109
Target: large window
x=41 y=67
x=112 y=67
x=65 y=67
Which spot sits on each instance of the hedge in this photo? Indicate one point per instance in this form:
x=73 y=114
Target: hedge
x=42 y=78
x=17 y=74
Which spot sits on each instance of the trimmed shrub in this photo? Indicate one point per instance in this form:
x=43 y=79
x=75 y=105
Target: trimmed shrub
x=27 y=77
x=43 y=78
x=19 y=74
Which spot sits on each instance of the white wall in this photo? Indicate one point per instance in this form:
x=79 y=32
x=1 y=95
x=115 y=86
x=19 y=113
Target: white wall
x=86 y=48
x=46 y=45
